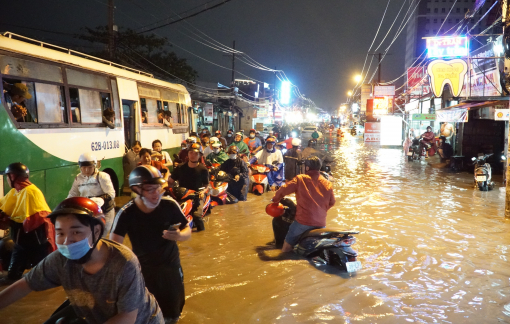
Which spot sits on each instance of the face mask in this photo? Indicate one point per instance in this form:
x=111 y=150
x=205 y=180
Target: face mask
x=252 y=135
x=203 y=132
x=229 y=135
x=76 y=250
x=183 y=147
x=232 y=156
x=150 y=205
x=216 y=151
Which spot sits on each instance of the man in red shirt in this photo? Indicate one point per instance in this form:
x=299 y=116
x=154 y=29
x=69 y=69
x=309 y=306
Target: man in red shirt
x=314 y=195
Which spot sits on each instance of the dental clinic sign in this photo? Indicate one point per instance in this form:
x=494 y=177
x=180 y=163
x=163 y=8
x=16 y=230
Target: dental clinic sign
x=438 y=47
x=450 y=72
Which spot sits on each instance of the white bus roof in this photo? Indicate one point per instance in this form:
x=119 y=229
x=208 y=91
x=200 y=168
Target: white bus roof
x=63 y=55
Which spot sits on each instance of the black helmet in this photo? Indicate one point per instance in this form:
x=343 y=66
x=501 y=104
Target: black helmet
x=18 y=169
x=145 y=174
x=314 y=163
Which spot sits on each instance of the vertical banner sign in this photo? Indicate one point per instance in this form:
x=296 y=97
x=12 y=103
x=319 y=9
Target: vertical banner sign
x=366 y=91
x=418 y=84
x=208 y=113
x=370 y=108
x=372 y=132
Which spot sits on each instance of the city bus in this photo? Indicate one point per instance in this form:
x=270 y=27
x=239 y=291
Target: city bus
x=65 y=116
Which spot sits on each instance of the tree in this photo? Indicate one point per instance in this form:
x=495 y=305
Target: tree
x=145 y=52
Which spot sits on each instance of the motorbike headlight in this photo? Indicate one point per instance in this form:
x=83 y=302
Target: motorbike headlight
x=503 y=158
x=473 y=159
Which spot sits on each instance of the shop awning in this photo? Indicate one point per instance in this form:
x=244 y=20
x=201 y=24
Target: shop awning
x=477 y=105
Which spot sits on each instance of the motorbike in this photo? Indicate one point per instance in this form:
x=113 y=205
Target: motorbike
x=323 y=246
x=187 y=199
x=483 y=172
x=258 y=179
x=353 y=132
x=414 y=151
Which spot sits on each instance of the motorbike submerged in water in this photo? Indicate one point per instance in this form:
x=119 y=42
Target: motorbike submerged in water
x=187 y=199
x=414 y=153
x=483 y=172
x=323 y=246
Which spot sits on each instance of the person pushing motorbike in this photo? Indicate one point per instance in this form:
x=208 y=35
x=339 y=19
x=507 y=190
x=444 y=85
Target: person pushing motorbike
x=314 y=195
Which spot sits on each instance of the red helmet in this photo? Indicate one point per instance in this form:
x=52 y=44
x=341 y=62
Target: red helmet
x=253 y=130
x=275 y=210
x=79 y=206
x=217 y=132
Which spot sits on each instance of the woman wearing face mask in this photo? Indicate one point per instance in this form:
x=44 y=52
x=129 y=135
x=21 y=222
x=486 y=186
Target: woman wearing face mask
x=238 y=169
x=104 y=274
x=92 y=183
x=130 y=160
x=154 y=224
x=230 y=137
x=217 y=155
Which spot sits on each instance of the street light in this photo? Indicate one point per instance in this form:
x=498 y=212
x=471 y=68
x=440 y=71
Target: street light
x=349 y=93
x=358 y=78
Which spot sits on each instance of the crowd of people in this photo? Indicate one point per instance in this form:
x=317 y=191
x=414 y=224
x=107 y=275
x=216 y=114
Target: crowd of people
x=79 y=245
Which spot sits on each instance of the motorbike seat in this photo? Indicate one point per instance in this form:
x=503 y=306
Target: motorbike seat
x=325 y=232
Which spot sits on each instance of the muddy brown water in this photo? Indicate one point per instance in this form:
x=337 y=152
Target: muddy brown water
x=433 y=250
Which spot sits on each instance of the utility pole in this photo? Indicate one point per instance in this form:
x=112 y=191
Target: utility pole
x=379 y=67
x=233 y=64
x=110 y=30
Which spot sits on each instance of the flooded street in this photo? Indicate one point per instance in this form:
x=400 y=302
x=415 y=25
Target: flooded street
x=433 y=250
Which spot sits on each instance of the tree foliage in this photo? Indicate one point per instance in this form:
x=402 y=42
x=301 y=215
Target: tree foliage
x=145 y=52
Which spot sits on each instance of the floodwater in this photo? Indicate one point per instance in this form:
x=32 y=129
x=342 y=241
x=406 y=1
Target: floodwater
x=433 y=250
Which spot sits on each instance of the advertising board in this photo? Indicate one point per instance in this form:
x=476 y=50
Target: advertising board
x=391 y=130
x=372 y=132
x=483 y=75
x=366 y=92
x=502 y=114
x=383 y=91
x=208 y=113
x=447 y=46
x=418 y=84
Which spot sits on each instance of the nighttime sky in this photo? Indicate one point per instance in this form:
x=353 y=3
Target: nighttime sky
x=320 y=44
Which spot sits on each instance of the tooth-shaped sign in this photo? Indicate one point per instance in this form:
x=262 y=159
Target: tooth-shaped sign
x=447 y=72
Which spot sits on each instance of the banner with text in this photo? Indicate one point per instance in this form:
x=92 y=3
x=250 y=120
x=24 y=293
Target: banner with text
x=452 y=116
x=372 y=132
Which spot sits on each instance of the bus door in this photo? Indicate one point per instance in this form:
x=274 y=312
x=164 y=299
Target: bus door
x=128 y=110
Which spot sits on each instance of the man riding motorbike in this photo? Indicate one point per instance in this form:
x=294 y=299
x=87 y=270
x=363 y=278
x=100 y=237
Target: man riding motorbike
x=428 y=141
x=314 y=196
x=238 y=141
x=238 y=170
x=195 y=176
x=253 y=142
x=273 y=159
x=292 y=160
x=217 y=155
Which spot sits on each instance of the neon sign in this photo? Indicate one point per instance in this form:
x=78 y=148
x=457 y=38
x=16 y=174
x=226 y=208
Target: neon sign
x=447 y=46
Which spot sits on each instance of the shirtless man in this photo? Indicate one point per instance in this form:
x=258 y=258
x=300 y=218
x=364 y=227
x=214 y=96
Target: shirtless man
x=447 y=130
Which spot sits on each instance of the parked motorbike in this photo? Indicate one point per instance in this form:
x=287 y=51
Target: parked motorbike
x=188 y=198
x=323 y=246
x=483 y=172
x=218 y=189
x=414 y=151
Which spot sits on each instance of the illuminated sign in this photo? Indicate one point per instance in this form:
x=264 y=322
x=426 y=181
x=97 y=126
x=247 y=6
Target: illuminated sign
x=285 y=94
x=447 y=46
x=382 y=104
x=447 y=72
x=380 y=91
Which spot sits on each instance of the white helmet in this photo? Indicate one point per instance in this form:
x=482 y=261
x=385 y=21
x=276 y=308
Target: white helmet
x=296 y=142
x=87 y=159
x=213 y=139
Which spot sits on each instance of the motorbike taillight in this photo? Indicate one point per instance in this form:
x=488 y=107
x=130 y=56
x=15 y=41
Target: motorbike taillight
x=351 y=258
x=346 y=242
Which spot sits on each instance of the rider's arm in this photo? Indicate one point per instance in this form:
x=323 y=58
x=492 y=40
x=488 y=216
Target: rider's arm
x=123 y=318
x=286 y=189
x=74 y=192
x=14 y=292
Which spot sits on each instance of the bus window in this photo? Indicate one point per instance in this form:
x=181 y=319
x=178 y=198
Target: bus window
x=50 y=103
x=160 y=111
x=165 y=106
x=24 y=111
x=17 y=67
x=183 y=116
x=108 y=117
x=88 y=80
x=116 y=104
x=143 y=111
x=149 y=110
x=89 y=104
x=178 y=113
x=75 y=105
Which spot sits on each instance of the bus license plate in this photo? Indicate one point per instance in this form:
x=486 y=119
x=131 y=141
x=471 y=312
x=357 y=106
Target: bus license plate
x=409 y=153
x=481 y=178
x=353 y=266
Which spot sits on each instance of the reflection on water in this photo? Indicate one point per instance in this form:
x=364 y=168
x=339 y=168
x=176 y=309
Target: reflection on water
x=432 y=248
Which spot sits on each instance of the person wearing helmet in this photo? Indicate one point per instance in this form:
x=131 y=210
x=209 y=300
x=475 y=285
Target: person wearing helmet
x=292 y=159
x=314 y=196
x=253 y=143
x=183 y=153
x=193 y=175
x=238 y=171
x=222 y=140
x=273 y=159
x=208 y=150
x=92 y=183
x=24 y=210
x=217 y=155
x=154 y=224
x=103 y=273
x=271 y=134
x=238 y=141
x=230 y=137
